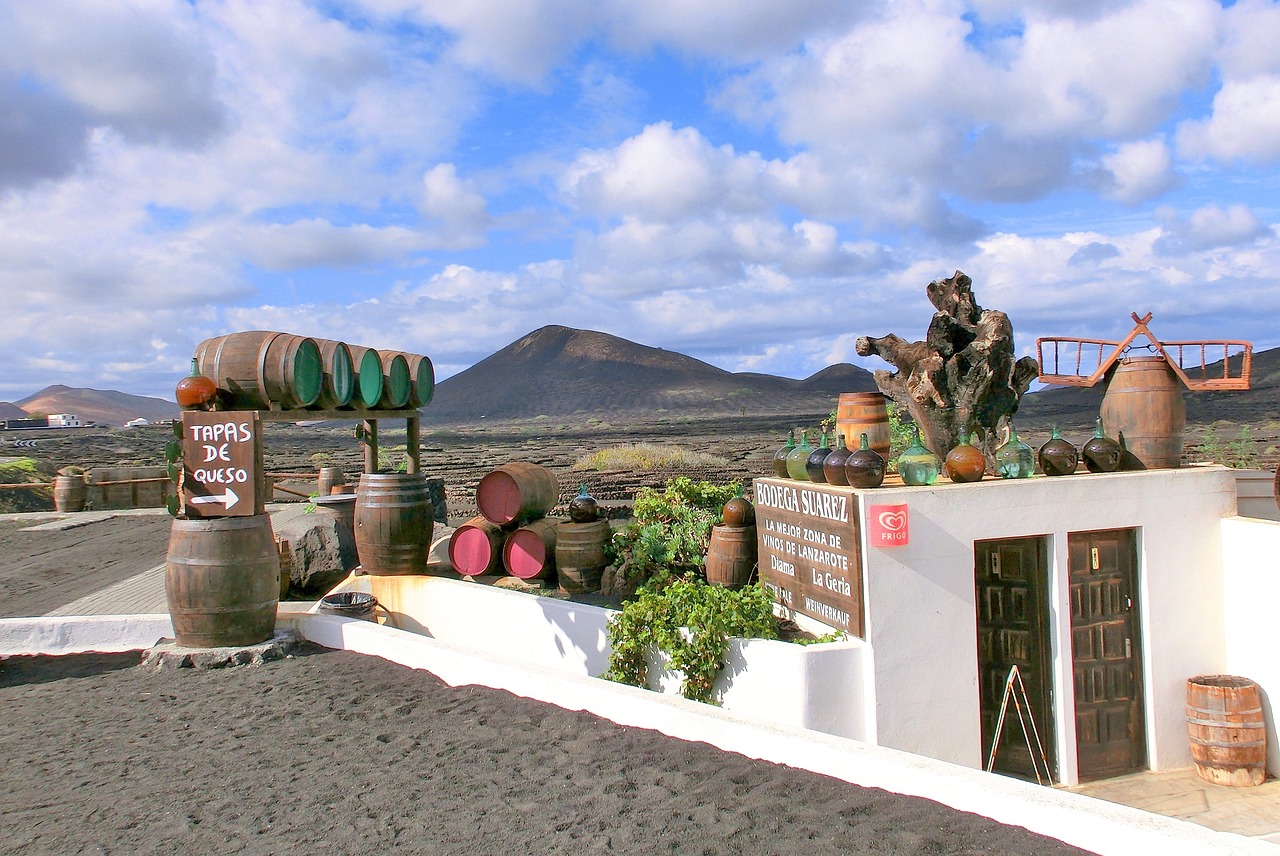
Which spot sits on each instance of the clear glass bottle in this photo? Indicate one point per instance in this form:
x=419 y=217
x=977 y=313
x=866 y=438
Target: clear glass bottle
x=1015 y=459
x=917 y=465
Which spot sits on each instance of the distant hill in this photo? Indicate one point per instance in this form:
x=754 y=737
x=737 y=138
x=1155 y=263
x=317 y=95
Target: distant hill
x=106 y=407
x=9 y=410
x=1260 y=402
x=559 y=371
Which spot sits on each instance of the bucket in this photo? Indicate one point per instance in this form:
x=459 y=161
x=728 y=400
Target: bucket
x=327 y=478
x=530 y=551
x=397 y=385
x=259 y=369
x=339 y=386
x=222 y=581
x=859 y=413
x=731 y=556
x=580 y=555
x=68 y=493
x=368 y=369
x=1227 y=731
x=349 y=604
x=1144 y=402
x=475 y=548
x=517 y=491
x=393 y=523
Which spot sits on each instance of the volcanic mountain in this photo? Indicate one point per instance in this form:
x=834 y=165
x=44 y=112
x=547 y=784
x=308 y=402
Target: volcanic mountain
x=559 y=371
x=106 y=407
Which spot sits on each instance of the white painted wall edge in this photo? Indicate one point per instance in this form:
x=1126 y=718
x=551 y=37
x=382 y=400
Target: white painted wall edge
x=1096 y=825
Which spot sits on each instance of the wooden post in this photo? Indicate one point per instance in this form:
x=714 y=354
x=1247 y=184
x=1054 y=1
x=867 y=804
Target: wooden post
x=370 y=437
x=411 y=431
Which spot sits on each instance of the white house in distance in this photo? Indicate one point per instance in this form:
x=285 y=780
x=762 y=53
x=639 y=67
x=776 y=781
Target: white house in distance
x=137 y=423
x=65 y=420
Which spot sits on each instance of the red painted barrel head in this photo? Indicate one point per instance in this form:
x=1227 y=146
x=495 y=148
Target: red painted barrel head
x=525 y=554
x=499 y=497
x=472 y=551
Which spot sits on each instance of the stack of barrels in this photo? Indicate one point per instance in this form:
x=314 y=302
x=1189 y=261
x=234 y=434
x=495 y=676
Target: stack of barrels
x=732 y=552
x=266 y=370
x=513 y=534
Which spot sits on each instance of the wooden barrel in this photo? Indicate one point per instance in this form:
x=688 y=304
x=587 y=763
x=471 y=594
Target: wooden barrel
x=475 y=548
x=68 y=493
x=1144 y=402
x=222 y=580
x=327 y=478
x=859 y=413
x=580 y=555
x=397 y=384
x=517 y=491
x=368 y=368
x=259 y=369
x=731 y=556
x=393 y=523
x=1227 y=731
x=423 y=375
x=339 y=387
x=530 y=551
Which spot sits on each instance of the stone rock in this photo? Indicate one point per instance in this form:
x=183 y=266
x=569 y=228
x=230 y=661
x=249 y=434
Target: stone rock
x=322 y=546
x=614 y=584
x=168 y=654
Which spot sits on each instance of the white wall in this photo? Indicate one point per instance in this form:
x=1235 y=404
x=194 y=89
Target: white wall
x=921 y=613
x=1251 y=571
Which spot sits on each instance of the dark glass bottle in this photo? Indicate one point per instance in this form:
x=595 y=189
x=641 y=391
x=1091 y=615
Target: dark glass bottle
x=833 y=464
x=797 y=457
x=195 y=391
x=738 y=511
x=583 y=507
x=780 y=456
x=917 y=465
x=865 y=466
x=1101 y=454
x=1058 y=457
x=813 y=464
x=966 y=462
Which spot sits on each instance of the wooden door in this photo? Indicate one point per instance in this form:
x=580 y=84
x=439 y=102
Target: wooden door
x=1011 y=578
x=1106 y=658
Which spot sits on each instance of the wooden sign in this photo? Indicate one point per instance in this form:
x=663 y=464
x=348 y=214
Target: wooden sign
x=221 y=463
x=809 y=550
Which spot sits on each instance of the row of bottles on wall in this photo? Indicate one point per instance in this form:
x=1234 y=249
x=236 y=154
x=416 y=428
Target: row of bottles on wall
x=917 y=465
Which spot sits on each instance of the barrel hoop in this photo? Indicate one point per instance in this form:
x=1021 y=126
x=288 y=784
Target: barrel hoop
x=1222 y=723
x=215 y=610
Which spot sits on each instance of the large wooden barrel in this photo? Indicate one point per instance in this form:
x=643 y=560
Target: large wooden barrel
x=259 y=369
x=339 y=387
x=397 y=384
x=530 y=551
x=475 y=548
x=580 y=555
x=368 y=369
x=68 y=493
x=859 y=413
x=731 y=556
x=1144 y=402
x=1227 y=731
x=423 y=375
x=517 y=491
x=222 y=580
x=393 y=523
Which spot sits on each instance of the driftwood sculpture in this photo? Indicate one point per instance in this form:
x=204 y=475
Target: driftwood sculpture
x=963 y=376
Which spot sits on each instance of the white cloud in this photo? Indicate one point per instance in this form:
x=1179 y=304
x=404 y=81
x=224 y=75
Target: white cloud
x=1138 y=171
x=1245 y=124
x=1208 y=228
x=456 y=204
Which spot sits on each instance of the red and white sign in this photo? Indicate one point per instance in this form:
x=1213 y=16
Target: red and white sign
x=888 y=526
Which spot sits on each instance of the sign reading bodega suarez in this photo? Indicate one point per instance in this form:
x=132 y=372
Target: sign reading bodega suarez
x=785 y=497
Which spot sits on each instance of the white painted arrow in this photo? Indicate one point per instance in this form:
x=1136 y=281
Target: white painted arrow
x=229 y=499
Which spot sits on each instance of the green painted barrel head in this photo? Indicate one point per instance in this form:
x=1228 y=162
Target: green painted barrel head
x=399 y=386
x=424 y=379
x=369 y=377
x=308 y=372
x=339 y=373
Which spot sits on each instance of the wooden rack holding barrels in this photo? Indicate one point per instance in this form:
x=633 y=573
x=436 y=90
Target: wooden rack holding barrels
x=1143 y=401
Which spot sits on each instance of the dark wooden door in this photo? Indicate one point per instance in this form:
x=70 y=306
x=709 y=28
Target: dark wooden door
x=1106 y=658
x=1011 y=579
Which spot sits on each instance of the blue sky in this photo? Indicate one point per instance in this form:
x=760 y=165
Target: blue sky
x=755 y=185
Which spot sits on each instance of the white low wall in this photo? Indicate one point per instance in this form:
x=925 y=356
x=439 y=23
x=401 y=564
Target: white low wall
x=1251 y=580
x=810 y=686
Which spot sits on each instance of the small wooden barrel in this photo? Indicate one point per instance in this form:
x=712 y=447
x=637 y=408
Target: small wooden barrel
x=257 y=369
x=222 y=580
x=1227 y=731
x=393 y=522
x=397 y=384
x=368 y=369
x=580 y=555
x=68 y=493
x=859 y=413
x=517 y=491
x=327 y=478
x=339 y=386
x=530 y=551
x=475 y=548
x=1144 y=402
x=731 y=556
x=423 y=375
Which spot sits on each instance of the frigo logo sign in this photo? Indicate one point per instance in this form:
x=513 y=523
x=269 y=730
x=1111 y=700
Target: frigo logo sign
x=888 y=526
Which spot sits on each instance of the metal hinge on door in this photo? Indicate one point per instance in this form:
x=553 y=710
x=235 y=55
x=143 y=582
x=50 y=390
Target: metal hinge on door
x=1093 y=558
x=1128 y=647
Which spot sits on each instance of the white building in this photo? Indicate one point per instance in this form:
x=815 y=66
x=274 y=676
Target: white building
x=65 y=420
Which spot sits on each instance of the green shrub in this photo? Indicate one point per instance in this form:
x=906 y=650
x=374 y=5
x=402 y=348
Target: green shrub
x=669 y=529
x=644 y=457
x=22 y=471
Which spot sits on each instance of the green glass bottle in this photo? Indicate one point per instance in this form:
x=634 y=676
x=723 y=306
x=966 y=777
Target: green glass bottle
x=917 y=465
x=1015 y=459
x=797 y=457
x=780 y=456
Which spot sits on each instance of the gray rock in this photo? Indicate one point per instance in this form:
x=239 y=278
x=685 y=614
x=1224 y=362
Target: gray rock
x=322 y=545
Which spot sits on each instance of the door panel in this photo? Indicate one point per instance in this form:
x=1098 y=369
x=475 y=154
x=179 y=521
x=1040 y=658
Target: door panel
x=1105 y=657
x=1011 y=578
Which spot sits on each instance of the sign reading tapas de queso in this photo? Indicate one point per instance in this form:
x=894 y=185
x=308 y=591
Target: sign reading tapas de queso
x=809 y=551
x=222 y=463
